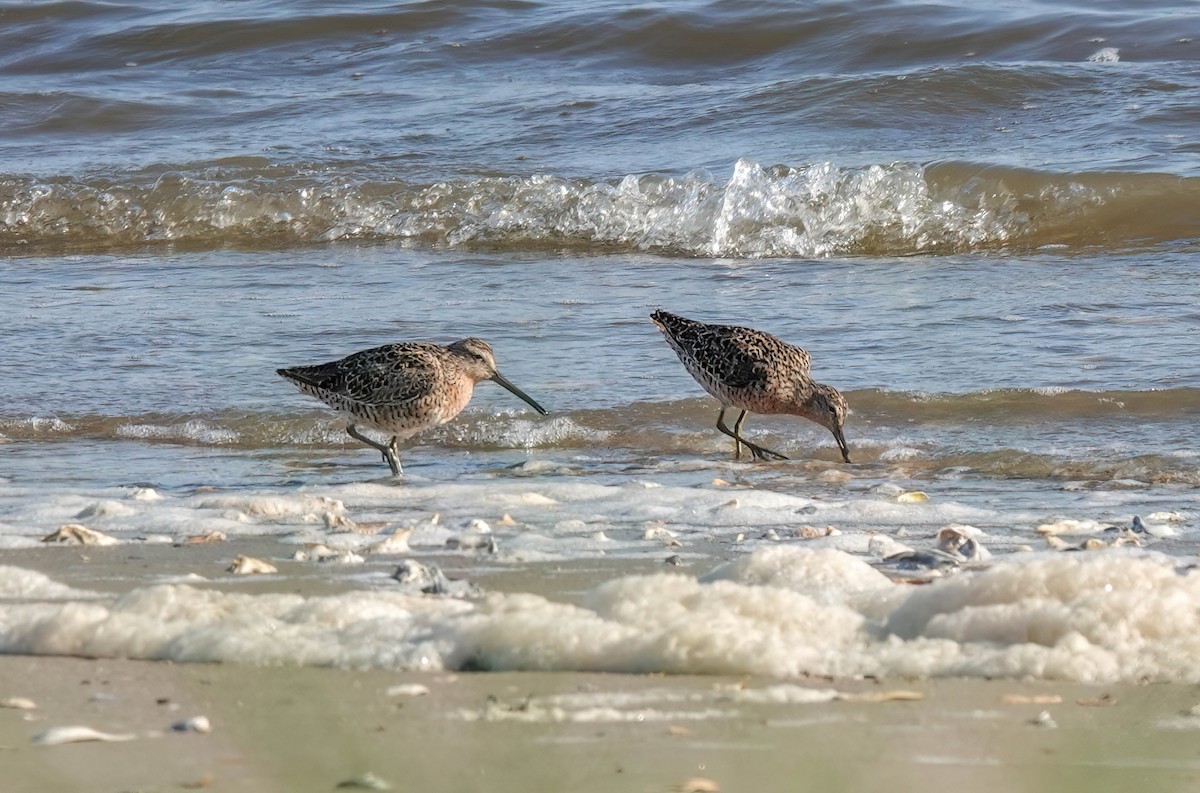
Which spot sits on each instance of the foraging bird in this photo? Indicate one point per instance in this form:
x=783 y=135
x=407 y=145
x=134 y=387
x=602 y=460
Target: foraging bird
x=402 y=389
x=754 y=372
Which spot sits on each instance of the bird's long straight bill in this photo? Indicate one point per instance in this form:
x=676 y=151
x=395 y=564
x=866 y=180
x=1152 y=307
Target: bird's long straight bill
x=499 y=378
x=841 y=442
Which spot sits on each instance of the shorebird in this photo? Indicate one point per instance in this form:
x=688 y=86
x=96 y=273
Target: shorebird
x=756 y=373
x=402 y=389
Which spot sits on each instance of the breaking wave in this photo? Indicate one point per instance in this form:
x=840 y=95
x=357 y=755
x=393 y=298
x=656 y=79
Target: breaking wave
x=806 y=211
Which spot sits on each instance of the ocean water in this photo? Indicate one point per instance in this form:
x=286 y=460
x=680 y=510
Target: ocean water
x=983 y=223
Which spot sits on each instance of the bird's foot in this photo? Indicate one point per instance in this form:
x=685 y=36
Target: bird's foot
x=766 y=455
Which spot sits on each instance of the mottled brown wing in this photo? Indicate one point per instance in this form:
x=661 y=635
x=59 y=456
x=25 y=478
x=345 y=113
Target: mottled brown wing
x=737 y=356
x=718 y=350
x=388 y=375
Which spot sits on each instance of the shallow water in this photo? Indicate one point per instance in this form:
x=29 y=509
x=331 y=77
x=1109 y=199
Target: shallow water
x=981 y=225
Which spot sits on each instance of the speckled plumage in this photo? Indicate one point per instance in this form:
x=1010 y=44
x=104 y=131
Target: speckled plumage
x=754 y=372
x=402 y=389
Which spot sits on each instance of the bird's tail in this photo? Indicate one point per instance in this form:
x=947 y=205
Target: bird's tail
x=669 y=323
x=312 y=376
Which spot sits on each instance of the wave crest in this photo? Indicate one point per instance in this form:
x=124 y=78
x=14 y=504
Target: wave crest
x=808 y=211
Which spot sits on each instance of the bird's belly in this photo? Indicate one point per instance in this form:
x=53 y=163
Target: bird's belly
x=432 y=410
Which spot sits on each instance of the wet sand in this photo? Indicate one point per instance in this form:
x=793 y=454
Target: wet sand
x=301 y=729
x=311 y=729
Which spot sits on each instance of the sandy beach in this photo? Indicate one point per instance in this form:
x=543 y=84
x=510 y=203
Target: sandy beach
x=290 y=728
x=305 y=729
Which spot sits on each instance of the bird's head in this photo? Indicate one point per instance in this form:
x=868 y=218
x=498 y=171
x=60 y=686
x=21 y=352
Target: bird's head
x=480 y=363
x=827 y=407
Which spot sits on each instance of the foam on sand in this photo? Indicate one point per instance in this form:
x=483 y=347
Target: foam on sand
x=780 y=612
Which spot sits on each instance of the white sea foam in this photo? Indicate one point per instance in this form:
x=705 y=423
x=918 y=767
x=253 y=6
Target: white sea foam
x=189 y=431
x=1092 y=617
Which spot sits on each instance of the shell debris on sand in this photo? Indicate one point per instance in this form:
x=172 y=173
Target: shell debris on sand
x=871 y=697
x=367 y=781
x=199 y=724
x=1091 y=543
x=56 y=736
x=395 y=544
x=1031 y=699
x=18 y=703
x=809 y=532
x=407 y=690
x=208 y=536
x=320 y=552
x=248 y=565
x=1070 y=526
x=428 y=579
x=78 y=534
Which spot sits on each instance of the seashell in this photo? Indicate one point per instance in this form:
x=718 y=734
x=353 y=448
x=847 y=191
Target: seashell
x=343 y=557
x=1057 y=543
x=1031 y=699
x=719 y=483
x=248 y=565
x=698 y=784
x=394 y=545
x=771 y=535
x=834 y=476
x=895 y=695
x=18 y=703
x=507 y=520
x=741 y=537
x=1152 y=529
x=812 y=532
x=338 y=521
x=1070 y=526
x=478 y=526
x=367 y=781
x=658 y=533
x=209 y=536
x=407 y=690
x=1044 y=720
x=56 y=736
x=962 y=541
x=430 y=580
x=78 y=534
x=474 y=542
x=912 y=497
x=319 y=552
x=199 y=724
